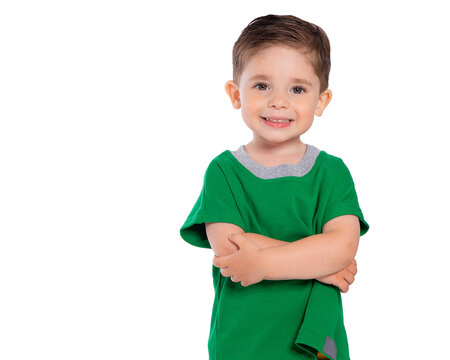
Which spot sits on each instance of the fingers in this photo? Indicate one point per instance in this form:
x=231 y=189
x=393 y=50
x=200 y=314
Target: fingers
x=343 y=285
x=221 y=261
x=235 y=279
x=225 y=263
x=225 y=271
x=349 y=277
x=355 y=265
x=352 y=267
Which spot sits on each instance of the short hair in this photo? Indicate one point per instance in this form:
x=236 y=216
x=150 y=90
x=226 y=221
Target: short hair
x=285 y=30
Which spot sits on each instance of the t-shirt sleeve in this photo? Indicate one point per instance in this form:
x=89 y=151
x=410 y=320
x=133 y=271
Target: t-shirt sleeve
x=343 y=199
x=216 y=203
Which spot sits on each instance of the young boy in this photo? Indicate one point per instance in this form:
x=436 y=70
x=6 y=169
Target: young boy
x=281 y=216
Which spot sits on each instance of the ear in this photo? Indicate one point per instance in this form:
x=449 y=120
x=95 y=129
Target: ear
x=233 y=92
x=324 y=100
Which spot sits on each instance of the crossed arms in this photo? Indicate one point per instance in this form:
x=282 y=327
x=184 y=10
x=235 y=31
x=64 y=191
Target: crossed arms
x=249 y=258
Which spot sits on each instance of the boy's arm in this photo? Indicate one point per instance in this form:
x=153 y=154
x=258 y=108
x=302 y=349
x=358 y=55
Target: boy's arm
x=342 y=278
x=264 y=241
x=218 y=232
x=314 y=256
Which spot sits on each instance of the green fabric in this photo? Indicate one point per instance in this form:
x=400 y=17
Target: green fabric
x=273 y=319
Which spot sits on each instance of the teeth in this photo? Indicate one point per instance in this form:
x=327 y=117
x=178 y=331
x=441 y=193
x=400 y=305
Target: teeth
x=278 y=121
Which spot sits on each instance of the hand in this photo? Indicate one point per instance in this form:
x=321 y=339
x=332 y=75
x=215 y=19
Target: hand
x=244 y=265
x=343 y=278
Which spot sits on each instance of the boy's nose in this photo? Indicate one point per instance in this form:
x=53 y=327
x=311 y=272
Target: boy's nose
x=278 y=100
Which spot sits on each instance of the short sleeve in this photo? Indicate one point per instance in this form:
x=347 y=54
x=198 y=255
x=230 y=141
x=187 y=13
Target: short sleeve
x=216 y=203
x=343 y=199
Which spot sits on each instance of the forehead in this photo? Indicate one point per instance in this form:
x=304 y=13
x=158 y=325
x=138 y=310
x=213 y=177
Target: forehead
x=280 y=60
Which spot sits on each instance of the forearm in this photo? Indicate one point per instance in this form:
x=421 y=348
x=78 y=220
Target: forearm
x=264 y=241
x=309 y=258
x=260 y=240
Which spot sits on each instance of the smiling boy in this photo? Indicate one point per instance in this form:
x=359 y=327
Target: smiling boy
x=279 y=83
x=277 y=208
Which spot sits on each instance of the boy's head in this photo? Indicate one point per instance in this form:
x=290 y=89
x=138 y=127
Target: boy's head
x=285 y=30
x=280 y=77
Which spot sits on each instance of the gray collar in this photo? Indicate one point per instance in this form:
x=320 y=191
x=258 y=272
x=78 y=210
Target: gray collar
x=273 y=172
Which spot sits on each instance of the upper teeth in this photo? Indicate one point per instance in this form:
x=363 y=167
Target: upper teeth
x=269 y=119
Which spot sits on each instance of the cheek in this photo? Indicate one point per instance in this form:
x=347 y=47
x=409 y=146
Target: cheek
x=307 y=107
x=247 y=116
x=251 y=105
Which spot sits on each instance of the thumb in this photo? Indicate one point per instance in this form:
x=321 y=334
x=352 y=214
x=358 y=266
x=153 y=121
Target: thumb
x=238 y=239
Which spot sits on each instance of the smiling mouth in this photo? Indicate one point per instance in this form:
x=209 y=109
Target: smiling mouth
x=277 y=124
x=276 y=121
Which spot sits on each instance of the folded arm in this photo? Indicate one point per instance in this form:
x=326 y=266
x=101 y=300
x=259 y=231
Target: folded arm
x=217 y=234
x=308 y=258
x=313 y=257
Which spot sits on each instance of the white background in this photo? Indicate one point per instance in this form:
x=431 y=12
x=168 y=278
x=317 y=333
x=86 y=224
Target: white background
x=110 y=112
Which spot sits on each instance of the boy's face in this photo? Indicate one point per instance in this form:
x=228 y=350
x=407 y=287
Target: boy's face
x=278 y=82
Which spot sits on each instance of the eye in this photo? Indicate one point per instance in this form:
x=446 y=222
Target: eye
x=258 y=86
x=300 y=89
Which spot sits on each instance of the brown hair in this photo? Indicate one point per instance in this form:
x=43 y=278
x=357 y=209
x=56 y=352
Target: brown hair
x=286 y=30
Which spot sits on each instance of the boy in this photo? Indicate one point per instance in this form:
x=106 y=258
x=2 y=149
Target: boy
x=277 y=187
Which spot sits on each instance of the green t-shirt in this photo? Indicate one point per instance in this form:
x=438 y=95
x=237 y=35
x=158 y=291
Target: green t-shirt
x=274 y=319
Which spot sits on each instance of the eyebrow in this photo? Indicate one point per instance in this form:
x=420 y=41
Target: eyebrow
x=265 y=77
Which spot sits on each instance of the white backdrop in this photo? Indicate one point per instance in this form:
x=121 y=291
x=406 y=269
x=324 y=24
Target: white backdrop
x=110 y=112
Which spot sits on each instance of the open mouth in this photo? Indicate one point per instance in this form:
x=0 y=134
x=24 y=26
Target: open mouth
x=277 y=123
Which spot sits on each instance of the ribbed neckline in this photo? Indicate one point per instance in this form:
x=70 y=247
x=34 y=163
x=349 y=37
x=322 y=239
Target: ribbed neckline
x=281 y=170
